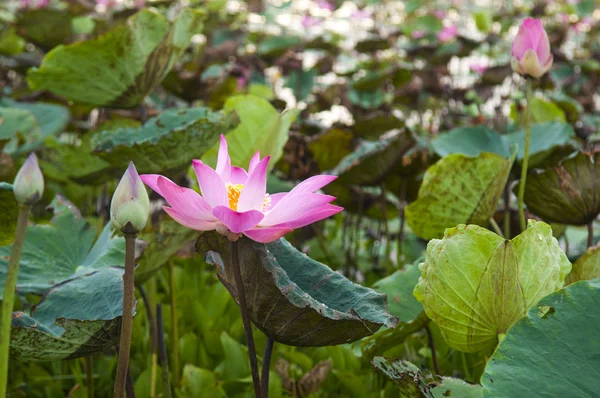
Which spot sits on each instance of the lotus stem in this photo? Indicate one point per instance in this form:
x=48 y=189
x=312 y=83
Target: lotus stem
x=162 y=351
x=434 y=360
x=382 y=341
x=590 y=228
x=8 y=301
x=525 y=164
x=496 y=227
x=241 y=294
x=129 y=391
x=174 y=328
x=266 y=366
x=89 y=375
x=153 y=339
x=127 y=318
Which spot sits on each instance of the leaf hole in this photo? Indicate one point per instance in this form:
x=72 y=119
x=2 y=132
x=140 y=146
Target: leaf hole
x=544 y=311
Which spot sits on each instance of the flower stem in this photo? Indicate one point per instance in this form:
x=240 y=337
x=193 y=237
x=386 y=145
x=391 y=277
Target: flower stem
x=127 y=318
x=8 y=301
x=153 y=338
x=89 y=375
x=241 y=294
x=590 y=228
x=162 y=350
x=174 y=327
x=266 y=366
x=525 y=164
x=496 y=227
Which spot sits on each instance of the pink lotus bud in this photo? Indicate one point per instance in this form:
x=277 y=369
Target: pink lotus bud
x=130 y=203
x=530 y=53
x=29 y=182
x=448 y=33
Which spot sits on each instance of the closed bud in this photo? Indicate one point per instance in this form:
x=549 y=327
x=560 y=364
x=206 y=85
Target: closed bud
x=130 y=203
x=29 y=182
x=530 y=55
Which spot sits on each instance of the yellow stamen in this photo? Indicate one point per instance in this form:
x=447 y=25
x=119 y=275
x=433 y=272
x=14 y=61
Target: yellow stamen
x=233 y=194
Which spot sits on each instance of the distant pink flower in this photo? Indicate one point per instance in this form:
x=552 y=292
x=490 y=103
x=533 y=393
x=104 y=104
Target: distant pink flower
x=531 y=53
x=309 y=21
x=439 y=14
x=326 y=4
x=418 y=34
x=235 y=202
x=140 y=3
x=448 y=33
x=479 y=68
x=34 y=4
x=360 y=14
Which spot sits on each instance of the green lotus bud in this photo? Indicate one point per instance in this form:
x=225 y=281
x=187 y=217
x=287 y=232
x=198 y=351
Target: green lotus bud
x=130 y=203
x=475 y=285
x=29 y=182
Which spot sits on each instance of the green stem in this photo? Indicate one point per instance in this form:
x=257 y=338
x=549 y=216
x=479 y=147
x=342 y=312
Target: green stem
x=127 y=318
x=162 y=352
x=382 y=341
x=8 y=301
x=525 y=164
x=174 y=327
x=89 y=375
x=590 y=228
x=241 y=295
x=266 y=366
x=153 y=338
x=496 y=227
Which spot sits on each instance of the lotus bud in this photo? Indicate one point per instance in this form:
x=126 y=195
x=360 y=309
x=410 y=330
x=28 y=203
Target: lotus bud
x=475 y=285
x=130 y=204
x=29 y=182
x=530 y=53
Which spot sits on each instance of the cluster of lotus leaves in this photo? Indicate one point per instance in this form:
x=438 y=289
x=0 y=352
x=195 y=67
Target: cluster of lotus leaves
x=475 y=285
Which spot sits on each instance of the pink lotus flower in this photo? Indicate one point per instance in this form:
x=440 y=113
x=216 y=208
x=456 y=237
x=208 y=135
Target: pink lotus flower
x=531 y=49
x=236 y=202
x=418 y=34
x=479 y=68
x=309 y=21
x=326 y=4
x=448 y=33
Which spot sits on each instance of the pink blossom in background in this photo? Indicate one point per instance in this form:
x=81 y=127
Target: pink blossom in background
x=479 y=68
x=439 y=14
x=326 y=4
x=140 y=3
x=309 y=21
x=418 y=34
x=235 y=202
x=34 y=4
x=448 y=33
x=531 y=53
x=360 y=14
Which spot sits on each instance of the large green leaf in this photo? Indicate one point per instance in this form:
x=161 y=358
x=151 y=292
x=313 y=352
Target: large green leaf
x=29 y=124
x=371 y=162
x=458 y=190
x=45 y=27
x=120 y=68
x=261 y=128
x=399 y=287
x=62 y=250
x=553 y=352
x=587 y=267
x=165 y=143
x=296 y=300
x=451 y=387
x=568 y=192
x=74 y=319
x=473 y=140
x=475 y=285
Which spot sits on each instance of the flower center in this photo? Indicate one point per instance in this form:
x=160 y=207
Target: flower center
x=233 y=195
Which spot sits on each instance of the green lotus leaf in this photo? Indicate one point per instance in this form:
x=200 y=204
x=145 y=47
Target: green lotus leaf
x=296 y=300
x=9 y=210
x=27 y=125
x=121 y=67
x=398 y=288
x=568 y=192
x=410 y=381
x=262 y=128
x=77 y=318
x=373 y=126
x=587 y=267
x=458 y=190
x=553 y=351
x=165 y=143
x=62 y=250
x=45 y=27
x=475 y=285
x=329 y=148
x=371 y=161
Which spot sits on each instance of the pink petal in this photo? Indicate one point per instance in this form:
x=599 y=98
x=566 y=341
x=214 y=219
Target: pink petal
x=254 y=161
x=532 y=36
x=224 y=161
x=190 y=222
x=186 y=201
x=212 y=186
x=276 y=197
x=152 y=181
x=292 y=207
x=312 y=184
x=236 y=221
x=238 y=175
x=316 y=215
x=268 y=234
x=252 y=196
